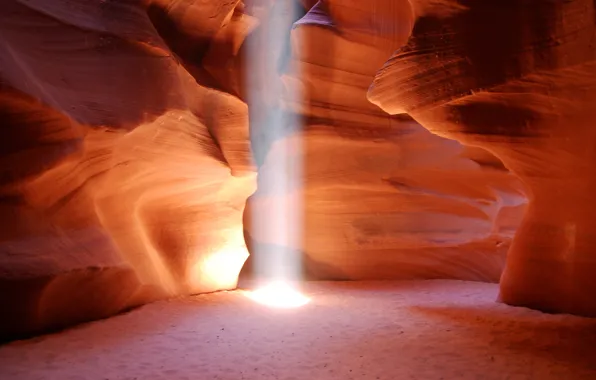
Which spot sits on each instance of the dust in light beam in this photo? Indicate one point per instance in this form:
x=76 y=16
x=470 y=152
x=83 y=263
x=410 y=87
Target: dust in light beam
x=272 y=120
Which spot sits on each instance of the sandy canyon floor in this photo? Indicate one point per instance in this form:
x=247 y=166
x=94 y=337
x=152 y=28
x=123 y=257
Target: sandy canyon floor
x=351 y=330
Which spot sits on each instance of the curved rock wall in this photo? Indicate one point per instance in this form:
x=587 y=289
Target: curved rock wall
x=128 y=157
x=117 y=163
x=383 y=198
x=519 y=79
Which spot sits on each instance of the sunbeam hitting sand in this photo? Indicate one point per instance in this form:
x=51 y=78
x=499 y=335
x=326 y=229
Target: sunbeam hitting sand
x=297 y=189
x=422 y=330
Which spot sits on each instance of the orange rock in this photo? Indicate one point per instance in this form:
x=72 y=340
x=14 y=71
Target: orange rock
x=124 y=180
x=380 y=196
x=525 y=92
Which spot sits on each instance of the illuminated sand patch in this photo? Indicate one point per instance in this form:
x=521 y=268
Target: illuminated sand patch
x=278 y=295
x=386 y=330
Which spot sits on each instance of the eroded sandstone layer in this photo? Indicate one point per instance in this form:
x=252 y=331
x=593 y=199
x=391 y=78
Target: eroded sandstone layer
x=381 y=197
x=519 y=79
x=128 y=157
x=124 y=177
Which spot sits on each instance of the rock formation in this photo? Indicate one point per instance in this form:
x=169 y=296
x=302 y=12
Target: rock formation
x=128 y=158
x=382 y=197
x=117 y=163
x=517 y=78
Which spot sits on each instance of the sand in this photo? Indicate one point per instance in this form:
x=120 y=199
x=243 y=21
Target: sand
x=349 y=330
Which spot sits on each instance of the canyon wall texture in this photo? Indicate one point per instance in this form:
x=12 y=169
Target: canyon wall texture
x=382 y=197
x=519 y=79
x=134 y=131
x=124 y=178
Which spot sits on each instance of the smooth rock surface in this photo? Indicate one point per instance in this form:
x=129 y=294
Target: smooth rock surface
x=123 y=178
x=380 y=196
x=527 y=93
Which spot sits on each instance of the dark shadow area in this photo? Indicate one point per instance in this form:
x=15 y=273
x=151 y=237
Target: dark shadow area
x=46 y=304
x=493 y=118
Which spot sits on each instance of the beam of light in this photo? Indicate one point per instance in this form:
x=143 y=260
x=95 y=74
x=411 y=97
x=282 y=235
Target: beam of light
x=272 y=122
x=279 y=294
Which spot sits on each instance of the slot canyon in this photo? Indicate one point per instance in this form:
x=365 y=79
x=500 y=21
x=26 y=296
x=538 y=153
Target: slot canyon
x=296 y=189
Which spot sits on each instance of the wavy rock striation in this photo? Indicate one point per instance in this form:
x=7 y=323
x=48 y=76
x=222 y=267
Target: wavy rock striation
x=124 y=178
x=382 y=197
x=519 y=79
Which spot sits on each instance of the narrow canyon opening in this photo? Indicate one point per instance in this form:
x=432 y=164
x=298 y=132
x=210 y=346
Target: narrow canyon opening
x=291 y=189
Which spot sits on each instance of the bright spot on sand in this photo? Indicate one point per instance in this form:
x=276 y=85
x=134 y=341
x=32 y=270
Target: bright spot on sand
x=278 y=295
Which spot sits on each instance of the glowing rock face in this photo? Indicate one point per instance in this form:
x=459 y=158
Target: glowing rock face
x=124 y=174
x=382 y=198
x=279 y=295
x=527 y=93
